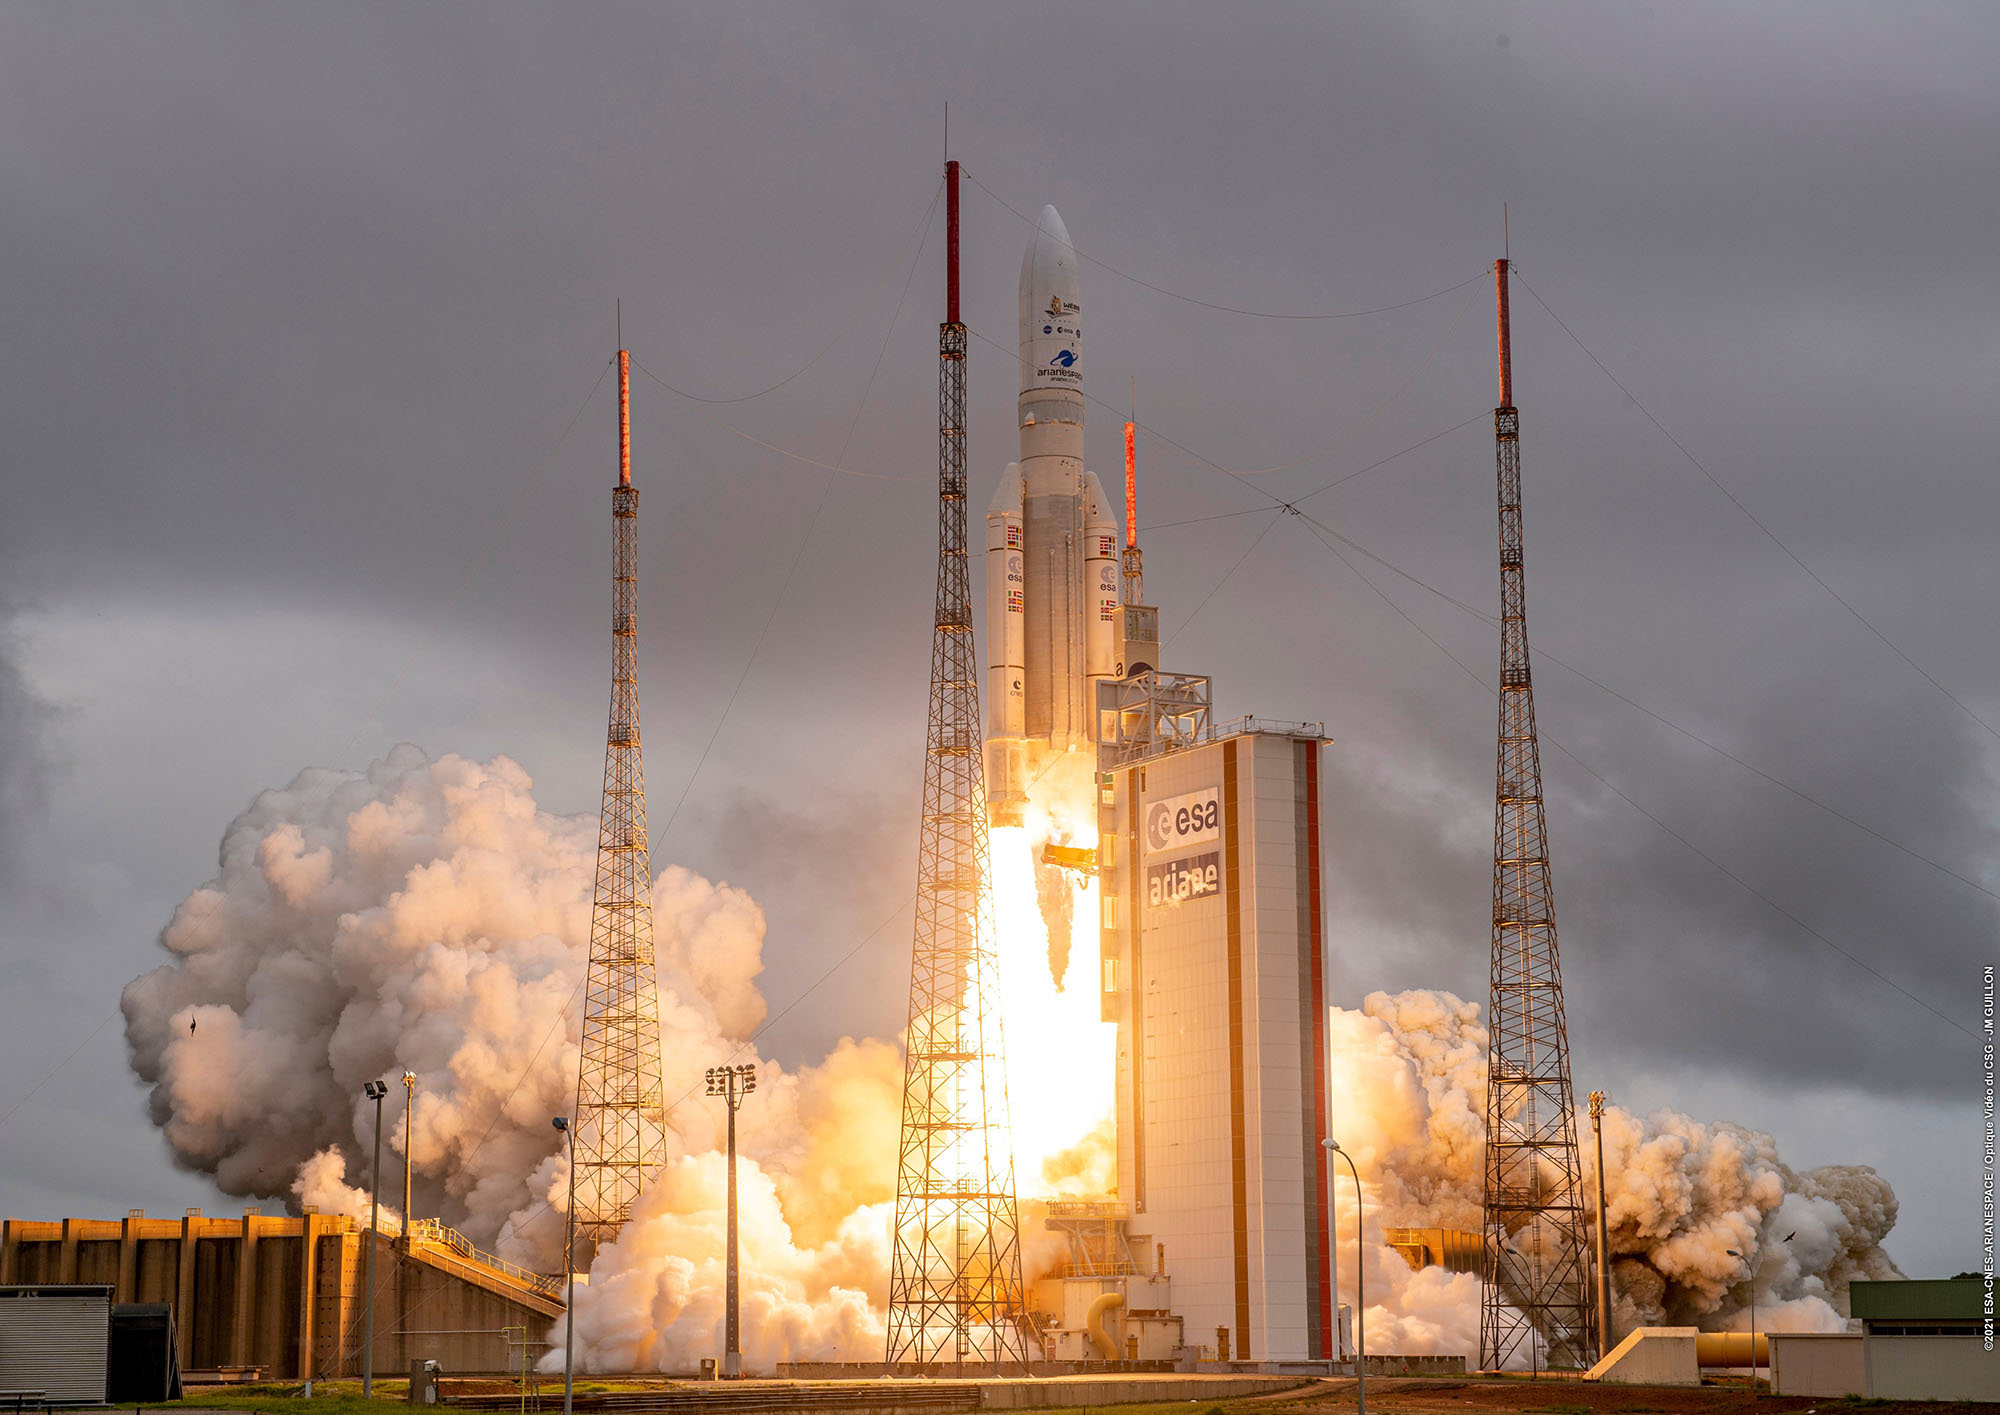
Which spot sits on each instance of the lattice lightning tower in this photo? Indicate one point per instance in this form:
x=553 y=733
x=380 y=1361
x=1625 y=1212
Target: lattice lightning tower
x=955 y=1291
x=1537 y=1281
x=621 y=1121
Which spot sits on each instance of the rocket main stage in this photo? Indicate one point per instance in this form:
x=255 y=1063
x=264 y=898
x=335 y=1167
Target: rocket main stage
x=1052 y=603
x=1202 y=854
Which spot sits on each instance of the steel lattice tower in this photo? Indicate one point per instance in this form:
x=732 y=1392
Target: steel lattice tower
x=621 y=1121
x=955 y=1291
x=1537 y=1278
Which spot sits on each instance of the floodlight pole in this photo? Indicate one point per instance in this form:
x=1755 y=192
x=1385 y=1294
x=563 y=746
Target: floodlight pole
x=569 y=1267
x=1360 y=1289
x=732 y=1083
x=409 y=1109
x=1755 y=1266
x=1603 y=1233
x=374 y=1090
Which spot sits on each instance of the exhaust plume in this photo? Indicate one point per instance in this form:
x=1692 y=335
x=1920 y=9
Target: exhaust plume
x=429 y=916
x=1409 y=1081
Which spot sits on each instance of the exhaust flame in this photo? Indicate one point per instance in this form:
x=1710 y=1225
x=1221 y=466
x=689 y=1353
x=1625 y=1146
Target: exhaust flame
x=1060 y=1055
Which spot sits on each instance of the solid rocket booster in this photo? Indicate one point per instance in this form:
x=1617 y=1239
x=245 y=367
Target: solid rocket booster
x=1052 y=545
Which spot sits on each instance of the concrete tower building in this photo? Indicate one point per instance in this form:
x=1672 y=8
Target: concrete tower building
x=1209 y=851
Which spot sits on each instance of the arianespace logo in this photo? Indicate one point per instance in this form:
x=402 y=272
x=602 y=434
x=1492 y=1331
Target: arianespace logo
x=1177 y=822
x=1067 y=358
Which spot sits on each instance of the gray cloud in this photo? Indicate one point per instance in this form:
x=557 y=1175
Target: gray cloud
x=304 y=298
x=25 y=766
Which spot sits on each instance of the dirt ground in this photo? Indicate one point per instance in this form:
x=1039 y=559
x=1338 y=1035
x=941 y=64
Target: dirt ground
x=1417 y=1396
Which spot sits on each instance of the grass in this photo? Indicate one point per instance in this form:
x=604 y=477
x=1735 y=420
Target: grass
x=286 y=1397
x=343 y=1397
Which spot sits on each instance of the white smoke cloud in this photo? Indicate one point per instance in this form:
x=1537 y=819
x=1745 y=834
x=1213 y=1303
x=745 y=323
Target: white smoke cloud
x=655 y=1300
x=427 y=916
x=1408 y=1075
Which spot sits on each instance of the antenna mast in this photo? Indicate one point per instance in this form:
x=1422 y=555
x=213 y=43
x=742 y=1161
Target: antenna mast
x=1134 y=562
x=620 y=1116
x=1536 y=1272
x=955 y=1293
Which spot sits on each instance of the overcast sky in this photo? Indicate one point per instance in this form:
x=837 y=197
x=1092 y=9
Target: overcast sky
x=298 y=302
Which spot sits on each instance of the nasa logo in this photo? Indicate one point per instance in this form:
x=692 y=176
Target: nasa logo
x=1048 y=329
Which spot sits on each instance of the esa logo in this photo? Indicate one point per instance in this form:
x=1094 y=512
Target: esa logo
x=1180 y=821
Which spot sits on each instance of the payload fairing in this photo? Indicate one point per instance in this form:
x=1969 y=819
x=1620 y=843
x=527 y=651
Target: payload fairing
x=1053 y=625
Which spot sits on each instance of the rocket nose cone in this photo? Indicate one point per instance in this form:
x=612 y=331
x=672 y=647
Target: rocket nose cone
x=1050 y=257
x=1051 y=308
x=1051 y=225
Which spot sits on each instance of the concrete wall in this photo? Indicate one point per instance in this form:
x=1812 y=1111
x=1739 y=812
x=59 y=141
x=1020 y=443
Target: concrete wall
x=1817 y=1363
x=1652 y=1356
x=286 y=1293
x=1931 y=1368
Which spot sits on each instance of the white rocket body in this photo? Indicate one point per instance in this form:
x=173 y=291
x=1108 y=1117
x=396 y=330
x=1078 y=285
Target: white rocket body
x=1052 y=546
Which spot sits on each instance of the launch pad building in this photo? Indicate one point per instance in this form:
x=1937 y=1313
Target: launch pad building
x=1213 y=969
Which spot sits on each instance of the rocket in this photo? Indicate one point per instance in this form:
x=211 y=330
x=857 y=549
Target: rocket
x=1053 y=626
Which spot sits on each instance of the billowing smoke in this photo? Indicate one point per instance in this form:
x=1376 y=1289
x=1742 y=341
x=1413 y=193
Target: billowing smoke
x=427 y=916
x=655 y=1300
x=1409 y=1087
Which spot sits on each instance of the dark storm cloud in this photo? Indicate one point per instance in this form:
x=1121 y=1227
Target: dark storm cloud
x=25 y=766
x=300 y=300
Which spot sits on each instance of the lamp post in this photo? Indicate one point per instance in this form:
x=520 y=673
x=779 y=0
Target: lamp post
x=732 y=1083
x=1603 y=1240
x=562 y=1124
x=1332 y=1147
x=409 y=1107
x=374 y=1090
x=1755 y=1268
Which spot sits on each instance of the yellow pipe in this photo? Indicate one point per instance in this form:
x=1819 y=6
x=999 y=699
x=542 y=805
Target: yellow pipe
x=1098 y=1324
x=1730 y=1348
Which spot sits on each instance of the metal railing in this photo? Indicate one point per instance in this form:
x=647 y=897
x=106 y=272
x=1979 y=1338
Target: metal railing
x=438 y=1235
x=1270 y=725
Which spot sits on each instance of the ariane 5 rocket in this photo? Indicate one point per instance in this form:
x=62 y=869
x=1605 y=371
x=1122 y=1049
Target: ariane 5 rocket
x=1053 y=626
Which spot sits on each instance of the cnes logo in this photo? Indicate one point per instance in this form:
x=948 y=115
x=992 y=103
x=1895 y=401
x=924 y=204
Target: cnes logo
x=1191 y=819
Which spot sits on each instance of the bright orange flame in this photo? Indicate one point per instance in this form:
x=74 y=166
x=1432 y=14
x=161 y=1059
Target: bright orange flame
x=1060 y=1056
